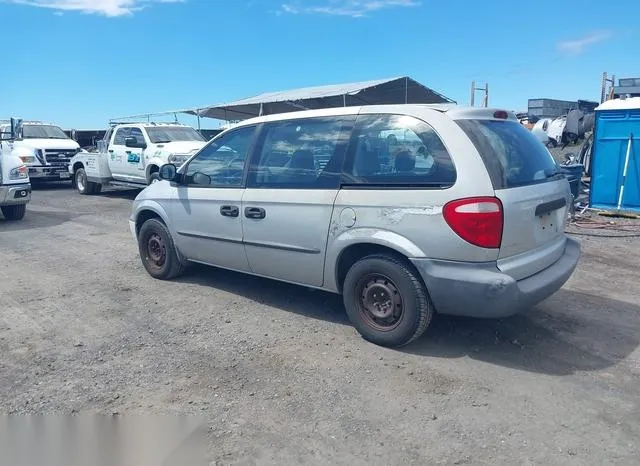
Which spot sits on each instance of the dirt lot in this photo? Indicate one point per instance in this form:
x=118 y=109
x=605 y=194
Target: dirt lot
x=280 y=375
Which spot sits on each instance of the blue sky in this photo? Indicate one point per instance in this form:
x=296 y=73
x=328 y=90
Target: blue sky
x=80 y=62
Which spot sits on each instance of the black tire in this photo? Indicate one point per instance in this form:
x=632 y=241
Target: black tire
x=83 y=185
x=14 y=212
x=157 y=251
x=81 y=182
x=375 y=278
x=154 y=177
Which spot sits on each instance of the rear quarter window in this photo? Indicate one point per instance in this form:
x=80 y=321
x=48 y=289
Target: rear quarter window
x=397 y=151
x=512 y=155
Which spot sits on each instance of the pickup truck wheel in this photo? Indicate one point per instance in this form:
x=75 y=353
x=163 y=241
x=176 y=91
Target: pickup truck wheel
x=82 y=183
x=157 y=251
x=386 y=301
x=14 y=212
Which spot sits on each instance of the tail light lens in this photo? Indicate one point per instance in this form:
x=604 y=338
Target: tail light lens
x=477 y=220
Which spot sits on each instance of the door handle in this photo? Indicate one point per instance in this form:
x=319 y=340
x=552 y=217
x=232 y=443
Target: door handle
x=229 y=211
x=255 y=212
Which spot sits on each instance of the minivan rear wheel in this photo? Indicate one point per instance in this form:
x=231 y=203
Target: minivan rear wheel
x=386 y=301
x=157 y=251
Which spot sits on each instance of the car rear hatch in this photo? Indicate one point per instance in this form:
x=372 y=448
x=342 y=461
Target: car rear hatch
x=535 y=197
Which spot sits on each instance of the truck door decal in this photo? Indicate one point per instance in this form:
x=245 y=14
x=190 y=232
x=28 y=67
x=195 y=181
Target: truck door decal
x=133 y=158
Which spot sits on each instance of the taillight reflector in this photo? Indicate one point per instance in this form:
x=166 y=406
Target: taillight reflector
x=477 y=220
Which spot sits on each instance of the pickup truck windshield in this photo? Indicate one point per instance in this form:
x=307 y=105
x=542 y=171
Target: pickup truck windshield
x=42 y=132
x=168 y=134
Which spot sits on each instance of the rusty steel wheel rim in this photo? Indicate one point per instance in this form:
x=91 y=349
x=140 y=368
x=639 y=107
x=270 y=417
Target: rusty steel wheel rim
x=379 y=302
x=156 y=252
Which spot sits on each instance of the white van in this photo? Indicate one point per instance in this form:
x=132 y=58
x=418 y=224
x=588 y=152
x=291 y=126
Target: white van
x=405 y=210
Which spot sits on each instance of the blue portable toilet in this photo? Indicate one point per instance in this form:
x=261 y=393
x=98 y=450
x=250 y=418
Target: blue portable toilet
x=617 y=123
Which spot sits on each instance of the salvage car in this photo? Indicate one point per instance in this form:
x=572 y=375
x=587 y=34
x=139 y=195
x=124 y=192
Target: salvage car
x=337 y=199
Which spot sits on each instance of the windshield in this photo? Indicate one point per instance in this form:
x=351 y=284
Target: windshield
x=512 y=155
x=43 y=132
x=169 y=134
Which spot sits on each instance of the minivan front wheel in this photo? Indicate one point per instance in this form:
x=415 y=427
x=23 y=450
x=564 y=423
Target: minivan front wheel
x=386 y=301
x=157 y=251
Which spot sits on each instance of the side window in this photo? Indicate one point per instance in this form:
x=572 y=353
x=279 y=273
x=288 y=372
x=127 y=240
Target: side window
x=397 y=150
x=136 y=133
x=302 y=153
x=121 y=134
x=221 y=163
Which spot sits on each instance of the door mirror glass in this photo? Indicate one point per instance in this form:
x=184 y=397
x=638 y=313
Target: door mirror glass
x=135 y=143
x=168 y=172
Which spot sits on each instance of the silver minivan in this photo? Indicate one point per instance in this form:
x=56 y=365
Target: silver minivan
x=404 y=210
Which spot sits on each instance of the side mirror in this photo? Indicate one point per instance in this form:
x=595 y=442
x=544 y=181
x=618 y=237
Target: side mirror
x=134 y=143
x=168 y=172
x=16 y=128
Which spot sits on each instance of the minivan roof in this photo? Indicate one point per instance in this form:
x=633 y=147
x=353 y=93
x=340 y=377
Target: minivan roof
x=455 y=111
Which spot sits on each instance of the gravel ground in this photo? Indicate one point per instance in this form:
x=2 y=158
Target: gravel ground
x=282 y=378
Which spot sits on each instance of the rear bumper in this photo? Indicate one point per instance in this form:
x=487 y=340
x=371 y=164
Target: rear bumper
x=482 y=290
x=15 y=194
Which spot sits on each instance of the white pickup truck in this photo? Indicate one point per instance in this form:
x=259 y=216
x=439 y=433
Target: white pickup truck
x=15 y=186
x=44 y=148
x=131 y=154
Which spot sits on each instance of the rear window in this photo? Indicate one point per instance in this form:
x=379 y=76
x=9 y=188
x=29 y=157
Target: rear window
x=512 y=155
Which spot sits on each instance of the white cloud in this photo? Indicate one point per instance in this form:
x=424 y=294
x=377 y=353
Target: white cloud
x=353 y=8
x=577 y=46
x=110 y=8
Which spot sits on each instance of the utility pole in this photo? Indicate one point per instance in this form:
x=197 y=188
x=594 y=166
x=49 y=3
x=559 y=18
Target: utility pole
x=485 y=89
x=603 y=90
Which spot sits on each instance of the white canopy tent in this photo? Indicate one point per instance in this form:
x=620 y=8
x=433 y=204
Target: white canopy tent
x=399 y=90
x=386 y=91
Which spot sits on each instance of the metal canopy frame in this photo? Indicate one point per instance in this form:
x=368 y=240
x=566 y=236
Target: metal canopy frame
x=399 y=90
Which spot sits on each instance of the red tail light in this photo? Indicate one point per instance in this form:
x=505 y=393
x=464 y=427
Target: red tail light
x=477 y=220
x=501 y=114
